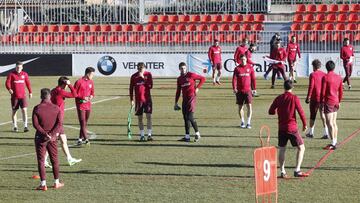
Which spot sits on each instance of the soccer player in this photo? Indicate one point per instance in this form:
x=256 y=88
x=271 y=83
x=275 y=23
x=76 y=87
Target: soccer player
x=248 y=53
x=313 y=97
x=58 y=95
x=15 y=84
x=279 y=54
x=186 y=83
x=347 y=55
x=242 y=81
x=85 y=93
x=142 y=82
x=331 y=95
x=292 y=50
x=240 y=50
x=46 y=119
x=215 y=59
x=273 y=40
x=286 y=105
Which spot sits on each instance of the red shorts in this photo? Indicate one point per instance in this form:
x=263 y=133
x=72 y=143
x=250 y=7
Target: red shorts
x=330 y=108
x=217 y=66
x=294 y=137
x=143 y=107
x=314 y=107
x=243 y=98
x=18 y=102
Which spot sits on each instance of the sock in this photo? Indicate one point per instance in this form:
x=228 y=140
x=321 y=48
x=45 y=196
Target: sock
x=242 y=120
x=25 y=123
x=15 y=124
x=249 y=121
x=69 y=158
x=283 y=170
x=217 y=78
x=43 y=182
x=326 y=131
x=149 y=132
x=197 y=133
x=142 y=133
x=214 y=80
x=80 y=139
x=187 y=136
x=312 y=130
x=57 y=181
x=334 y=141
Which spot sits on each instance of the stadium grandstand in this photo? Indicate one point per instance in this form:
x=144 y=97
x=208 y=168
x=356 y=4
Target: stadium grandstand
x=173 y=26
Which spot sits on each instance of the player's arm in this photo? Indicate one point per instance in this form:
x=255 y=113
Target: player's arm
x=56 y=129
x=234 y=81
x=200 y=78
x=300 y=110
x=284 y=55
x=340 y=91
x=253 y=80
x=28 y=85
x=323 y=90
x=310 y=88
x=273 y=107
x=8 y=82
x=77 y=87
x=177 y=95
x=92 y=91
x=342 y=53
x=70 y=94
x=35 y=122
x=210 y=55
x=149 y=81
x=236 y=55
x=131 y=90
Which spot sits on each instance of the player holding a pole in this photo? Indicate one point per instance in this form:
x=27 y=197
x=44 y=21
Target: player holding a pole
x=186 y=83
x=214 y=55
x=142 y=83
x=286 y=106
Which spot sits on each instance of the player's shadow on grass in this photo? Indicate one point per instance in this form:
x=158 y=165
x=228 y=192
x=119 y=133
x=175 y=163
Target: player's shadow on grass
x=185 y=145
x=199 y=165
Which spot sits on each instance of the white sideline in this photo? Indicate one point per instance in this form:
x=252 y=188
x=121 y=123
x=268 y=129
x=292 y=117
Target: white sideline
x=92 y=136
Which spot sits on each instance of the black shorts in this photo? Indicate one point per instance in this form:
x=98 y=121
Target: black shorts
x=294 y=137
x=143 y=107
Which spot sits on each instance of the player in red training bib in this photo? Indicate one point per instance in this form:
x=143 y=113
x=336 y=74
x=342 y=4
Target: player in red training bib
x=240 y=50
x=331 y=95
x=214 y=54
x=286 y=106
x=15 y=84
x=243 y=82
x=313 y=97
x=186 y=83
x=293 y=50
x=347 y=55
x=142 y=83
x=279 y=54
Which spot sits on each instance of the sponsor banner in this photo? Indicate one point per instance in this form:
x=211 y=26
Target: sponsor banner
x=37 y=64
x=166 y=65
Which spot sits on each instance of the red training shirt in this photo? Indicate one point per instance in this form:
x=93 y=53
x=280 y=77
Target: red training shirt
x=346 y=52
x=58 y=96
x=16 y=82
x=280 y=55
x=293 y=49
x=187 y=84
x=215 y=54
x=243 y=78
x=331 y=89
x=314 y=90
x=142 y=87
x=84 y=88
x=240 y=50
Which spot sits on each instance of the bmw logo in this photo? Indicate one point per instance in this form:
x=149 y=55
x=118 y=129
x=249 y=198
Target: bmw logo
x=106 y=65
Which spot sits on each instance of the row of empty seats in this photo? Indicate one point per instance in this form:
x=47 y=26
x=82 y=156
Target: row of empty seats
x=337 y=37
x=330 y=17
x=325 y=26
x=207 y=18
x=312 y=8
x=140 y=27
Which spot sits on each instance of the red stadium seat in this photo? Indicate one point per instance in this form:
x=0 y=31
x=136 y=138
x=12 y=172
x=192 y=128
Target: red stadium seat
x=224 y=27
x=238 y=18
x=74 y=28
x=355 y=8
x=195 y=18
x=138 y=28
x=351 y=26
x=311 y=8
x=309 y=18
x=320 y=17
x=213 y=27
x=53 y=28
x=235 y=27
x=128 y=27
x=260 y=18
x=354 y=17
x=170 y=28
x=329 y=26
x=64 y=28
x=249 y=18
x=149 y=27
x=340 y=26
x=159 y=28
x=116 y=28
x=43 y=28
x=295 y=26
x=33 y=28
x=153 y=19
x=258 y=27
x=191 y=28
x=319 y=26
x=331 y=17
x=173 y=19
x=95 y=28
x=344 y=8
x=301 y=8
x=217 y=18
x=184 y=18
x=105 y=28
x=206 y=18
x=247 y=27
x=228 y=18
x=23 y=28
x=342 y=18
x=203 y=27
x=322 y=8
x=334 y=8
x=181 y=27
x=306 y=26
x=163 y=19
x=298 y=18
x=85 y=28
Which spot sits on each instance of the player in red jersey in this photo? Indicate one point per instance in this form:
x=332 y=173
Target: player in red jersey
x=347 y=55
x=313 y=97
x=292 y=50
x=142 y=83
x=46 y=119
x=15 y=84
x=58 y=95
x=85 y=93
x=214 y=54
x=242 y=82
x=248 y=53
x=286 y=106
x=331 y=95
x=240 y=50
x=186 y=83
x=279 y=54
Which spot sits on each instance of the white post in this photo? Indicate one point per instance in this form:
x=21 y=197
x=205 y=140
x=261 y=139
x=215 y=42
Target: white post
x=268 y=6
x=141 y=11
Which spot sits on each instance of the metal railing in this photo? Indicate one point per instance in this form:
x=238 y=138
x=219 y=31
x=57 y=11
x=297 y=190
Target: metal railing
x=166 y=42
x=292 y=2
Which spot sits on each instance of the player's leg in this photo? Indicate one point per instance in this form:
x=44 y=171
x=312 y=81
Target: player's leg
x=282 y=72
x=218 y=67
x=53 y=153
x=149 y=126
x=326 y=131
x=346 y=78
x=71 y=161
x=350 y=68
x=14 y=120
x=329 y=121
x=213 y=74
x=268 y=71
x=40 y=155
x=273 y=78
x=299 y=158
x=194 y=125
x=25 y=119
x=141 y=127
x=249 y=115
x=81 y=118
x=186 y=138
x=282 y=160
x=241 y=115
x=335 y=128
x=313 y=111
